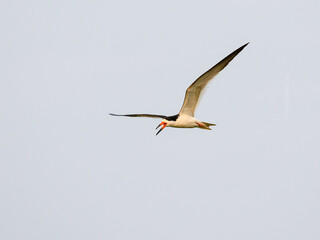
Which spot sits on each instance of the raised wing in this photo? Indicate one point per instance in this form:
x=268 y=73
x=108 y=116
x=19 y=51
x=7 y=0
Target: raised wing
x=138 y=115
x=193 y=92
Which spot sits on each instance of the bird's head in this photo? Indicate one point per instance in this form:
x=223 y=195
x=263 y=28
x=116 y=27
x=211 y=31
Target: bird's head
x=163 y=124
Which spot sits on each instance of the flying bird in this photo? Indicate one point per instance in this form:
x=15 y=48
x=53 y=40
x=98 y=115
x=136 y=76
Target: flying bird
x=185 y=118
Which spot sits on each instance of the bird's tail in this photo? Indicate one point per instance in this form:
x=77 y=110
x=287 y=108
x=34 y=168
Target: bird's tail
x=207 y=125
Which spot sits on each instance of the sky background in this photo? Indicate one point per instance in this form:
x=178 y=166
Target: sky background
x=68 y=170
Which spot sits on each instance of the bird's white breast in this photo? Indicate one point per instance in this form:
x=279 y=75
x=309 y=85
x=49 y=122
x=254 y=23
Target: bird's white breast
x=183 y=121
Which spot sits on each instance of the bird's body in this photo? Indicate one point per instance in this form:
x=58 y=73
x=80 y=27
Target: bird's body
x=185 y=118
x=183 y=121
x=186 y=121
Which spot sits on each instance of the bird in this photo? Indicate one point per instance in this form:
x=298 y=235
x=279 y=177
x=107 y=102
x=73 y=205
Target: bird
x=185 y=118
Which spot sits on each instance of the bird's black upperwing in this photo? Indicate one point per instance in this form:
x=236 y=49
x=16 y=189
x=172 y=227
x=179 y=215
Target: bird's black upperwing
x=138 y=115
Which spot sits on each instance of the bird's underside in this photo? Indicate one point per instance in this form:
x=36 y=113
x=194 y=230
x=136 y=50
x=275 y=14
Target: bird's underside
x=185 y=118
x=175 y=121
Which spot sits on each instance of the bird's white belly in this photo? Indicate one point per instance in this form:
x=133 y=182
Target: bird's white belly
x=184 y=122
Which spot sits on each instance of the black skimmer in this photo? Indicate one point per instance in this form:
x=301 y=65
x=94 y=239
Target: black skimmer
x=185 y=118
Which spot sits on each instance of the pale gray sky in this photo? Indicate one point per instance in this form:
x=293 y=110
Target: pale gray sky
x=70 y=171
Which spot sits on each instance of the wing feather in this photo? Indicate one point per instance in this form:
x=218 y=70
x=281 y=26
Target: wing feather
x=138 y=115
x=193 y=92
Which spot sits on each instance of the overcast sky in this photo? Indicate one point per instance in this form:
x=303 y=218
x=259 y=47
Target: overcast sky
x=68 y=170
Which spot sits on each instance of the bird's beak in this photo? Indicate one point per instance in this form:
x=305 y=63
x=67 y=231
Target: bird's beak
x=163 y=126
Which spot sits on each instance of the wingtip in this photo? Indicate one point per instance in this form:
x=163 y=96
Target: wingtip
x=241 y=48
x=244 y=45
x=113 y=114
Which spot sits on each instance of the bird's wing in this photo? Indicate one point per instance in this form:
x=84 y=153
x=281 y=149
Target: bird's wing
x=193 y=92
x=138 y=115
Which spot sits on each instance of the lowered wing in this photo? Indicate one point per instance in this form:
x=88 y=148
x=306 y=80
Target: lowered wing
x=138 y=115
